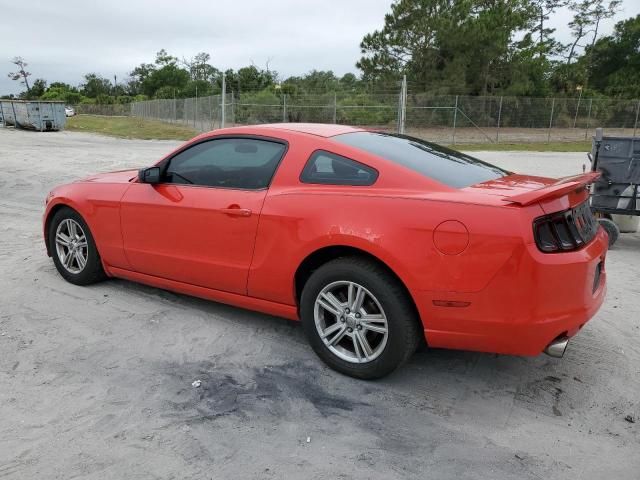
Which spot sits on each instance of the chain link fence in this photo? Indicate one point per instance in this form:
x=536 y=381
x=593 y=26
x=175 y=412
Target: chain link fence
x=467 y=119
x=202 y=114
x=443 y=119
x=112 y=110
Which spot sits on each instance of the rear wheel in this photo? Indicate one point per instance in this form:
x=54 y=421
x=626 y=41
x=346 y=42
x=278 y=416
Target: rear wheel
x=358 y=318
x=73 y=249
x=611 y=228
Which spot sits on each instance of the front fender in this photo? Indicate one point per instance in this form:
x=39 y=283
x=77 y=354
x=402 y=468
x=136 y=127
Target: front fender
x=99 y=206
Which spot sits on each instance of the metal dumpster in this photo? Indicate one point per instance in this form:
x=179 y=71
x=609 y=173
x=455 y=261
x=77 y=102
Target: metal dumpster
x=33 y=114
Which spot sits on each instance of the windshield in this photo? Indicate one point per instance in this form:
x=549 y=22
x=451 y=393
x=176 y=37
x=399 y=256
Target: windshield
x=447 y=166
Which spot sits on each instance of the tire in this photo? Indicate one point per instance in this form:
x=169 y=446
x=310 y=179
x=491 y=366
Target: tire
x=611 y=228
x=76 y=272
x=385 y=306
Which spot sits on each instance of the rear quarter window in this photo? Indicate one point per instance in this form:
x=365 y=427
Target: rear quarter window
x=442 y=164
x=328 y=168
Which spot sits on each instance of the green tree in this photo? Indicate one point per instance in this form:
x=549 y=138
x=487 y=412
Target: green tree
x=585 y=26
x=37 y=89
x=546 y=43
x=320 y=81
x=94 y=85
x=201 y=88
x=252 y=78
x=615 y=61
x=580 y=26
x=163 y=58
x=200 y=69
x=62 y=92
x=349 y=81
x=447 y=45
x=169 y=76
x=601 y=10
x=137 y=77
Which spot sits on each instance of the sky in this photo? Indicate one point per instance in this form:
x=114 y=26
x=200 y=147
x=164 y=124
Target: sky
x=62 y=40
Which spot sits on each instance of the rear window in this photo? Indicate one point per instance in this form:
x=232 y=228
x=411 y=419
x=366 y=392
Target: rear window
x=447 y=166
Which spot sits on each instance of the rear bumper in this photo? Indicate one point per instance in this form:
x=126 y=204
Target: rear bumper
x=534 y=299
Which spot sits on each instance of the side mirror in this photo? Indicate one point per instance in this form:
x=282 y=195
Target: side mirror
x=149 y=175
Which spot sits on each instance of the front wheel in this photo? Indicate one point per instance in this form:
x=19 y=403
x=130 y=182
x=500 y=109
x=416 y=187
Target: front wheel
x=359 y=318
x=73 y=249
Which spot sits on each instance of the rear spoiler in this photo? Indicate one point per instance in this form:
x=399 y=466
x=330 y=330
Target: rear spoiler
x=561 y=187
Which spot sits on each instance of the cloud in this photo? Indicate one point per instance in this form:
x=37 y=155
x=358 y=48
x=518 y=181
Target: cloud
x=63 y=40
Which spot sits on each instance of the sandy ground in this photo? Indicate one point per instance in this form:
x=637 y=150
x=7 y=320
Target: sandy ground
x=95 y=382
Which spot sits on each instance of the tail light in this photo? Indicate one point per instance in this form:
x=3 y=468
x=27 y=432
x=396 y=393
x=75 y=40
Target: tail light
x=565 y=231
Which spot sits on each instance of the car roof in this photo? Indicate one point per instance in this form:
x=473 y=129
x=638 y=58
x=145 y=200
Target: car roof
x=318 y=129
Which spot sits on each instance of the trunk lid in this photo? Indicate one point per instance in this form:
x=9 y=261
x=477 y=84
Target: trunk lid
x=552 y=194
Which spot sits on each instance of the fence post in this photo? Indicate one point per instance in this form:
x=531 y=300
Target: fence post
x=553 y=107
x=399 y=112
x=195 y=109
x=586 y=130
x=499 y=119
x=335 y=107
x=635 y=125
x=284 y=108
x=455 y=121
x=223 y=100
x=233 y=109
x=211 y=113
x=402 y=113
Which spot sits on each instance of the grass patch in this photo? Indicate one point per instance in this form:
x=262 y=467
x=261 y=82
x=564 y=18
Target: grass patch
x=129 y=127
x=526 y=147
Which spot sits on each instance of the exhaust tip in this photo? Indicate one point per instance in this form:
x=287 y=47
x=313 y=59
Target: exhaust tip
x=557 y=347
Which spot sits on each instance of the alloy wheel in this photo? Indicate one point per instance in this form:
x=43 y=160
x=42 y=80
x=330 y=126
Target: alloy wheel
x=351 y=322
x=71 y=246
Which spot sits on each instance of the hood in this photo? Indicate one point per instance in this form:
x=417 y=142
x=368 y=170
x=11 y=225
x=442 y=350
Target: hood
x=120 y=176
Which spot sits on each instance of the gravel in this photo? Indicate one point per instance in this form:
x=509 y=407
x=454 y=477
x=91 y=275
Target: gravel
x=100 y=382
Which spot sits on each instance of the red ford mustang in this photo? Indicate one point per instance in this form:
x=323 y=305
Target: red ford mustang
x=374 y=241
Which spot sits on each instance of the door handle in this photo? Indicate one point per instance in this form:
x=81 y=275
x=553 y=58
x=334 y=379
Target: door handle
x=236 y=211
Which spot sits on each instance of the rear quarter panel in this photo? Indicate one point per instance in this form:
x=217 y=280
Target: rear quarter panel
x=399 y=231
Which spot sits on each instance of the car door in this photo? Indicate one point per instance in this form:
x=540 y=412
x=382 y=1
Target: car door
x=198 y=225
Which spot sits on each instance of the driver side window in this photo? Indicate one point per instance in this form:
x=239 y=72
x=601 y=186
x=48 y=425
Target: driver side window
x=242 y=163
